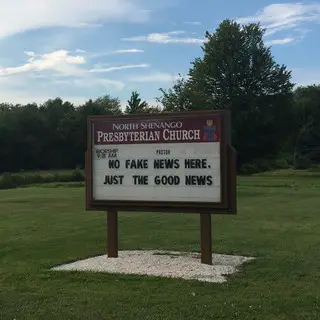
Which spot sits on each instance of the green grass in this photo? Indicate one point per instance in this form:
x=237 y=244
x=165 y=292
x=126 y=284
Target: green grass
x=278 y=222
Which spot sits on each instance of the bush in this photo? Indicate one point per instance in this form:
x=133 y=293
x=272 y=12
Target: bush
x=25 y=179
x=249 y=168
x=288 y=157
x=258 y=165
x=303 y=162
x=7 y=181
x=281 y=164
x=77 y=175
x=14 y=180
x=62 y=176
x=315 y=168
x=262 y=165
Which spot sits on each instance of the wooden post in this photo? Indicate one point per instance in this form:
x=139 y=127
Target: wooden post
x=205 y=234
x=112 y=220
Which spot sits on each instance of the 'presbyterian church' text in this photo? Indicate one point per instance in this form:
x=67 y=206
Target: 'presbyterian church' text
x=148 y=136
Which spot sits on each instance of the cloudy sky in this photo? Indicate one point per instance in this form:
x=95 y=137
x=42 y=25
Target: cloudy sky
x=79 y=49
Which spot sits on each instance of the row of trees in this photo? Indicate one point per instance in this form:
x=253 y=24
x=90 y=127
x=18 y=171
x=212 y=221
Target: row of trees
x=53 y=135
x=271 y=121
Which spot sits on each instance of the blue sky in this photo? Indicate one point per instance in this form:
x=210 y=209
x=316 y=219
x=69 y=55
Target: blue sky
x=79 y=49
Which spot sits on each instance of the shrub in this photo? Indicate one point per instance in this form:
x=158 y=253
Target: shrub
x=7 y=181
x=62 y=176
x=14 y=180
x=262 y=165
x=315 y=168
x=30 y=178
x=281 y=164
x=249 y=168
x=77 y=175
x=303 y=162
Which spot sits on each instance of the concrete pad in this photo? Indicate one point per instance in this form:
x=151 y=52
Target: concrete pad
x=182 y=265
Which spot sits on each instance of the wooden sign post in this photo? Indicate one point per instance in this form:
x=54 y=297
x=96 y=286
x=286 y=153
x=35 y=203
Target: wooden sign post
x=169 y=162
x=112 y=225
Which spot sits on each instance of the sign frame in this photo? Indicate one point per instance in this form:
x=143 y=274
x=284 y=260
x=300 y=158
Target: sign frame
x=228 y=203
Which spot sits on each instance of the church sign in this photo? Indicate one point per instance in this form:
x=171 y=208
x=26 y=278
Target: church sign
x=171 y=162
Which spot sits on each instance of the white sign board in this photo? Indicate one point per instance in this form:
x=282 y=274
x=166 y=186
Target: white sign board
x=156 y=159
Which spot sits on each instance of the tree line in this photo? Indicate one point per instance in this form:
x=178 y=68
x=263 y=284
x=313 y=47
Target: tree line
x=274 y=123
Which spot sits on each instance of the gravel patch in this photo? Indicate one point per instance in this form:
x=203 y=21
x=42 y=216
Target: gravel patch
x=161 y=264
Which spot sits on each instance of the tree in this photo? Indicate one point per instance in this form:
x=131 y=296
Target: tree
x=135 y=105
x=106 y=105
x=22 y=133
x=238 y=73
x=57 y=115
x=177 y=98
x=306 y=136
x=153 y=109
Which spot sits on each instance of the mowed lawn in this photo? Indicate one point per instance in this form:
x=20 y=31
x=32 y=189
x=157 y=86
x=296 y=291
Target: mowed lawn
x=278 y=223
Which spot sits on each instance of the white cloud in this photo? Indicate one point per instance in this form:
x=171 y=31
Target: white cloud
x=23 y=89
x=128 y=51
x=93 y=82
x=283 y=16
x=101 y=65
x=29 y=81
x=279 y=41
x=124 y=67
x=107 y=83
x=16 y=97
x=86 y=25
x=154 y=77
x=59 y=61
x=23 y=15
x=29 y=53
x=95 y=55
x=164 y=38
x=194 y=23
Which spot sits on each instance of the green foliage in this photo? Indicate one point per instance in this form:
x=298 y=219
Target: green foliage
x=306 y=137
x=258 y=165
x=14 y=180
x=315 y=168
x=237 y=72
x=52 y=135
x=281 y=164
x=7 y=181
x=154 y=110
x=177 y=98
x=77 y=175
x=303 y=162
x=135 y=105
x=263 y=165
x=248 y=169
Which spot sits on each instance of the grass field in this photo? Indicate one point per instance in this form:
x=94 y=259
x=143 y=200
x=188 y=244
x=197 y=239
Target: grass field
x=278 y=222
